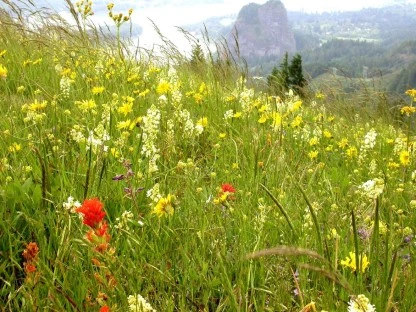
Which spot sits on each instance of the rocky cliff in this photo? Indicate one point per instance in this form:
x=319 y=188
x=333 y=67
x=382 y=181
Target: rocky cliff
x=262 y=31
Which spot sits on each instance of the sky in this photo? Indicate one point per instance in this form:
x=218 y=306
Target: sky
x=167 y=14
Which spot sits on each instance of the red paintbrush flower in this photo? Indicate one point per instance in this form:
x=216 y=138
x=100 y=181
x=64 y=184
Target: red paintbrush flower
x=105 y=309
x=227 y=187
x=92 y=209
x=31 y=251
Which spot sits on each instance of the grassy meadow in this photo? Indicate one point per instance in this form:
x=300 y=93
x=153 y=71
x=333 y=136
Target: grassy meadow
x=141 y=181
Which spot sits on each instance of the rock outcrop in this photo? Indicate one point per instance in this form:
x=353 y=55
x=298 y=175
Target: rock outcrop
x=262 y=31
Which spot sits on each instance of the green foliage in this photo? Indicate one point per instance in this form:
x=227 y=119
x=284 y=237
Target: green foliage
x=288 y=77
x=217 y=196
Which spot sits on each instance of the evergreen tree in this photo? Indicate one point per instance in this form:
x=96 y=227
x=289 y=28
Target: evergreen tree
x=287 y=77
x=278 y=80
x=296 y=79
x=197 y=56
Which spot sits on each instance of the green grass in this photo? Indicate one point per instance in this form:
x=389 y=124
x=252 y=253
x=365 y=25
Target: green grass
x=276 y=244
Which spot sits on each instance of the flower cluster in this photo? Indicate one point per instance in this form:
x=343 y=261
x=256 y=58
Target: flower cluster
x=138 y=304
x=30 y=254
x=225 y=194
x=93 y=215
x=372 y=188
x=150 y=134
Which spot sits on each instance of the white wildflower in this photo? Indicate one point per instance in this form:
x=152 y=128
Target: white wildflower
x=138 y=304
x=360 y=304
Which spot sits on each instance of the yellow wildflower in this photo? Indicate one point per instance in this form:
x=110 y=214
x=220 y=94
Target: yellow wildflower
x=296 y=106
x=412 y=94
x=125 y=108
x=313 y=141
x=3 y=72
x=262 y=119
x=37 y=106
x=408 y=110
x=237 y=115
x=123 y=124
x=319 y=95
x=97 y=90
x=2 y=53
x=350 y=262
x=163 y=87
x=203 y=122
x=351 y=152
x=164 y=206
x=277 y=119
x=343 y=143
x=86 y=105
x=15 y=147
x=313 y=155
x=404 y=158
x=296 y=122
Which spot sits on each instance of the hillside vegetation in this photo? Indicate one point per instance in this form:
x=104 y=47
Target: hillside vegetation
x=136 y=181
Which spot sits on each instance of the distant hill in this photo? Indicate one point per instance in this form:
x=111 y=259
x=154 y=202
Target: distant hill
x=373 y=43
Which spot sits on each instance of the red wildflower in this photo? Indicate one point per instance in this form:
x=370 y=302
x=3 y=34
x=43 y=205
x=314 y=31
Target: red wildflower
x=92 y=209
x=31 y=251
x=29 y=267
x=105 y=309
x=226 y=187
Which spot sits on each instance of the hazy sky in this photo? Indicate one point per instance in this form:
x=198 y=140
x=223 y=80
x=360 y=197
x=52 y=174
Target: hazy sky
x=181 y=12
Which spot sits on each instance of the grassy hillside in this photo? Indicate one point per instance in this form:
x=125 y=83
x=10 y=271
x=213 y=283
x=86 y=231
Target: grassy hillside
x=138 y=182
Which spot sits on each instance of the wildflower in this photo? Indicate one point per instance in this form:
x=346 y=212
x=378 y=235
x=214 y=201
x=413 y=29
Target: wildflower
x=226 y=187
x=351 y=152
x=92 y=209
x=319 y=95
x=203 y=122
x=163 y=87
x=164 y=206
x=86 y=105
x=296 y=122
x=372 y=188
x=343 y=143
x=30 y=254
x=313 y=155
x=412 y=94
x=404 y=158
x=31 y=251
x=138 y=304
x=226 y=192
x=370 y=139
x=3 y=72
x=97 y=90
x=237 y=115
x=350 y=262
x=360 y=304
x=408 y=110
x=104 y=309
x=71 y=205
x=125 y=108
